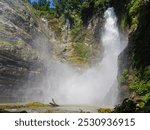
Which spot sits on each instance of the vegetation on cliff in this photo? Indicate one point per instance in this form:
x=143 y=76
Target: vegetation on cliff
x=78 y=18
x=134 y=16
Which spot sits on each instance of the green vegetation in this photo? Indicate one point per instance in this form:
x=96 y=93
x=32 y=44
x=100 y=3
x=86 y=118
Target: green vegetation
x=42 y=5
x=105 y=110
x=23 y=51
x=139 y=13
x=11 y=106
x=78 y=13
x=82 y=51
x=146 y=98
x=123 y=22
x=141 y=87
x=141 y=83
x=133 y=13
x=36 y=104
x=133 y=16
x=128 y=11
x=21 y=108
x=5 y=43
x=124 y=76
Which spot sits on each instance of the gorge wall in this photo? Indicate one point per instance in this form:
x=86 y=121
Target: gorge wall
x=134 y=16
x=23 y=30
x=19 y=58
x=27 y=40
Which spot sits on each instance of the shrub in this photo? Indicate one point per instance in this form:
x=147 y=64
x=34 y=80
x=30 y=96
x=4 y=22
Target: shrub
x=82 y=51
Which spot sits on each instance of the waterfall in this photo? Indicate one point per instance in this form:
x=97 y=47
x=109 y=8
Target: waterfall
x=96 y=86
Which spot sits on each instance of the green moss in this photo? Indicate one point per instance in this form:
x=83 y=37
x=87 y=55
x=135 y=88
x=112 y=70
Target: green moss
x=133 y=7
x=36 y=104
x=10 y=106
x=135 y=16
x=129 y=12
x=124 y=76
x=7 y=108
x=24 y=51
x=19 y=44
x=75 y=31
x=133 y=12
x=5 y=43
x=81 y=51
x=105 y=110
x=140 y=86
x=123 y=23
x=134 y=23
x=146 y=98
x=13 y=106
x=140 y=82
x=100 y=2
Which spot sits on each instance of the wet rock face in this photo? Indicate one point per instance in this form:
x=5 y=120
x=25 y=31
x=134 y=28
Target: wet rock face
x=18 y=53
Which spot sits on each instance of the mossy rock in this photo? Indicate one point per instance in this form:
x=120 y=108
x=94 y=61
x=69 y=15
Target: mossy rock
x=11 y=106
x=127 y=106
x=105 y=110
x=36 y=104
x=6 y=43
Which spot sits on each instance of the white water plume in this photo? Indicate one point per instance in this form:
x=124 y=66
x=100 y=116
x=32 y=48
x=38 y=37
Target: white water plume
x=95 y=86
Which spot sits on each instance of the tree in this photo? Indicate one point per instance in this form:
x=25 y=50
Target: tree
x=42 y=5
x=35 y=5
x=43 y=2
x=29 y=1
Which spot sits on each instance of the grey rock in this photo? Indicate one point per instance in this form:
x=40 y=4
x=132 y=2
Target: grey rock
x=19 y=59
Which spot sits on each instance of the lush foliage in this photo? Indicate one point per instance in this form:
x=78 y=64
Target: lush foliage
x=134 y=17
x=77 y=11
x=83 y=9
x=141 y=82
x=124 y=76
x=140 y=22
x=42 y=5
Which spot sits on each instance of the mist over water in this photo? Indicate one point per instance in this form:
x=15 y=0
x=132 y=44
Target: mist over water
x=95 y=86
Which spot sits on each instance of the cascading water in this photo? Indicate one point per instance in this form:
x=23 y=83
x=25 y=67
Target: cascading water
x=97 y=85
